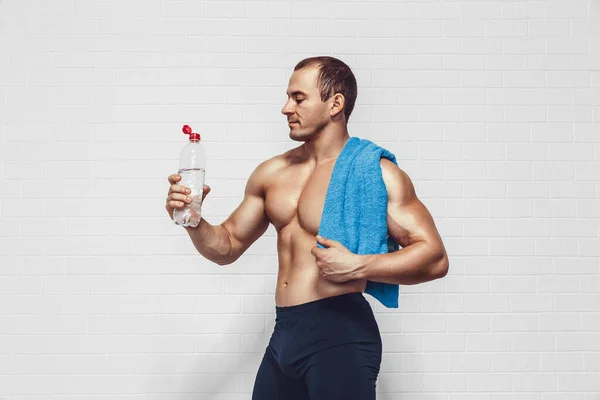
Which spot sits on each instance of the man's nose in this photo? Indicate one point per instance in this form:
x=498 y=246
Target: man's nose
x=286 y=109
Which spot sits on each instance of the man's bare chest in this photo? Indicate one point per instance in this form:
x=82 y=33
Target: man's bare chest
x=297 y=194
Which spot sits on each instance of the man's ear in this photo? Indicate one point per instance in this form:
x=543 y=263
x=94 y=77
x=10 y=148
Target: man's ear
x=337 y=104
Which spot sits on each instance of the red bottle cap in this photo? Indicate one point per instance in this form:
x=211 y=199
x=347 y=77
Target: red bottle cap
x=188 y=131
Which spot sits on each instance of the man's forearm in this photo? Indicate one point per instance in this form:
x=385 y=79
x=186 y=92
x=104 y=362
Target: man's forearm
x=211 y=241
x=410 y=265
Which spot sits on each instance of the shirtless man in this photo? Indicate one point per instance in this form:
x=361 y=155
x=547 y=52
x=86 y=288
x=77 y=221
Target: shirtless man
x=326 y=344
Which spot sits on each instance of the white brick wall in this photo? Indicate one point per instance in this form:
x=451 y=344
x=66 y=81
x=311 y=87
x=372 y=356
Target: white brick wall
x=492 y=107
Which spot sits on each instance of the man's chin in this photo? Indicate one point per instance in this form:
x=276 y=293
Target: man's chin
x=297 y=136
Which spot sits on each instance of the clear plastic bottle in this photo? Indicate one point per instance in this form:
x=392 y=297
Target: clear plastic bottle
x=192 y=165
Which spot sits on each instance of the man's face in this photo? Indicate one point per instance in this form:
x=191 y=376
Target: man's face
x=304 y=108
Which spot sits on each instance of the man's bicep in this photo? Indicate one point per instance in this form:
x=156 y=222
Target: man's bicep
x=248 y=221
x=408 y=219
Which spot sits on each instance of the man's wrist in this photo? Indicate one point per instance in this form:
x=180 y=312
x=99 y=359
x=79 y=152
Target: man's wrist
x=362 y=271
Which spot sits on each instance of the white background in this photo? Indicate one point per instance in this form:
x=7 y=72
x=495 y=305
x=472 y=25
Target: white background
x=491 y=107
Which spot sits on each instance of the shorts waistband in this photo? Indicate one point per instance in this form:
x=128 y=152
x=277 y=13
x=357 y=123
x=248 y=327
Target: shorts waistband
x=346 y=299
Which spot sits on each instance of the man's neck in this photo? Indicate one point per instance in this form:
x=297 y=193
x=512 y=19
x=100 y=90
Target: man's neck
x=325 y=148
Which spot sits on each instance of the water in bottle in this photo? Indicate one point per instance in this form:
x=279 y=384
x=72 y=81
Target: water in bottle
x=192 y=168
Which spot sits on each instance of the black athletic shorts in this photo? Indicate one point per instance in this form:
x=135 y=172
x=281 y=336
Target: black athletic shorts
x=327 y=349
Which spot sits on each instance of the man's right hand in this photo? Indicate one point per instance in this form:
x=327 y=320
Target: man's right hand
x=178 y=195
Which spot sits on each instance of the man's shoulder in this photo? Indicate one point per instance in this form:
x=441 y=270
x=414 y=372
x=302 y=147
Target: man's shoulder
x=397 y=181
x=277 y=162
x=268 y=169
x=387 y=165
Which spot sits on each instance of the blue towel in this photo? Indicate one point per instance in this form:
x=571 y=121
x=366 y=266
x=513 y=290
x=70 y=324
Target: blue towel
x=355 y=210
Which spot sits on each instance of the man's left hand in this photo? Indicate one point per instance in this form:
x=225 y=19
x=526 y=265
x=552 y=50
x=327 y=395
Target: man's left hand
x=336 y=263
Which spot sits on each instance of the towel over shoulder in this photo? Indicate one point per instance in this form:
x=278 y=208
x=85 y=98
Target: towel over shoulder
x=355 y=209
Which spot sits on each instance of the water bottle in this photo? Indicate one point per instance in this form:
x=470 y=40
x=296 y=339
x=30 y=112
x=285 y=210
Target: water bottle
x=192 y=164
